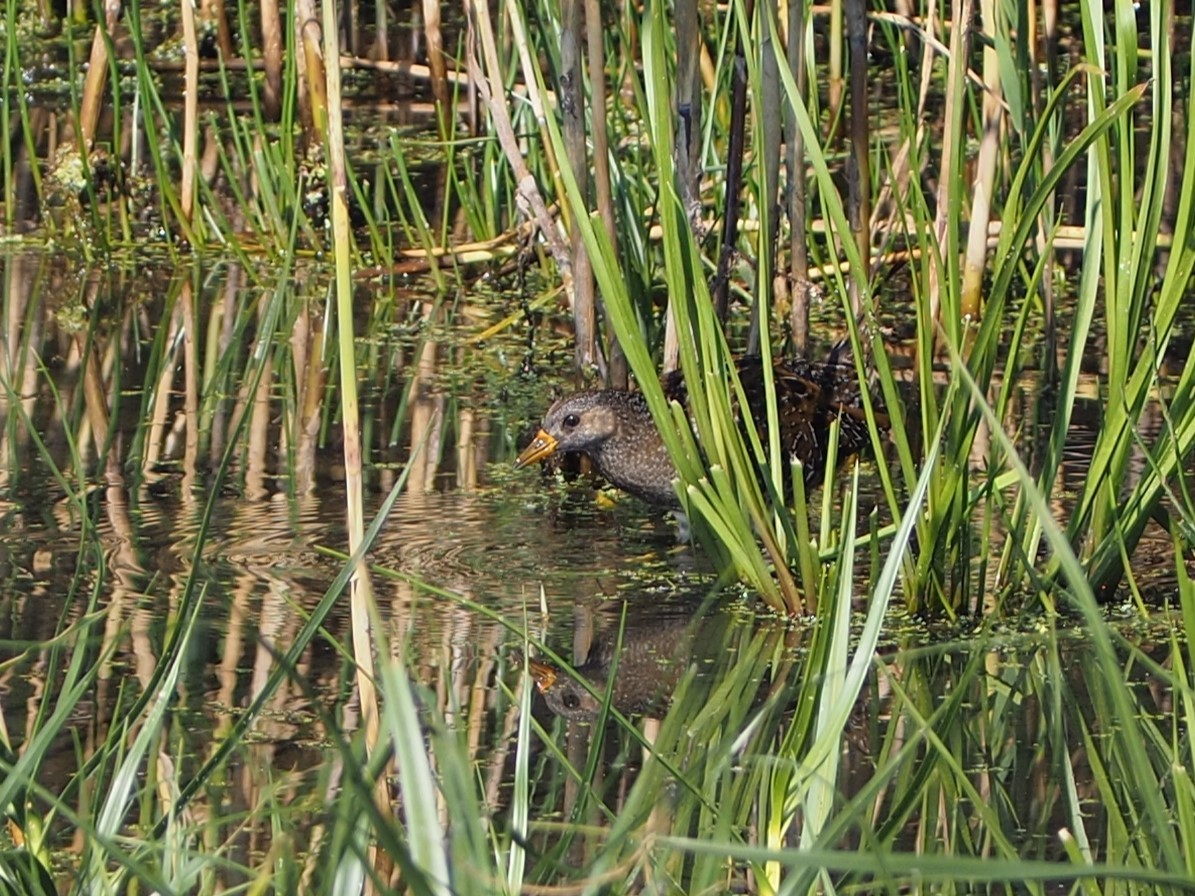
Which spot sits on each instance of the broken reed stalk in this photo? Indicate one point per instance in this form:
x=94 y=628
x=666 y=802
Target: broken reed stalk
x=834 y=76
x=271 y=51
x=212 y=12
x=945 y=239
x=316 y=95
x=527 y=189
x=93 y=90
x=437 y=66
x=975 y=261
x=190 y=121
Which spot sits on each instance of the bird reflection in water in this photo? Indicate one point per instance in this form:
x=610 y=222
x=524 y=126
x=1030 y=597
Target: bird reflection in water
x=658 y=645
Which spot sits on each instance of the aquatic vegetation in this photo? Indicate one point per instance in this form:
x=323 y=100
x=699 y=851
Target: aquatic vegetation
x=221 y=301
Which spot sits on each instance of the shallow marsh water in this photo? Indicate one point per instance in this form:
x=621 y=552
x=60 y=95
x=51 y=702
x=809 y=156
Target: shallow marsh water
x=465 y=571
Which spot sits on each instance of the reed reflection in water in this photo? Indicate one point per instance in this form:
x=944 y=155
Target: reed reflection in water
x=124 y=528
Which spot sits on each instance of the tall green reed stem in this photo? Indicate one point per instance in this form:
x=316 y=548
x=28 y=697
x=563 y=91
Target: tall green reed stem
x=362 y=598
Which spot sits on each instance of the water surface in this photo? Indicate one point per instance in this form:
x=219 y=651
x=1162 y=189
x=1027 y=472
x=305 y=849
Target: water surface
x=480 y=568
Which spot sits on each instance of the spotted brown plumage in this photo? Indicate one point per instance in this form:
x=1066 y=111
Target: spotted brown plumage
x=615 y=428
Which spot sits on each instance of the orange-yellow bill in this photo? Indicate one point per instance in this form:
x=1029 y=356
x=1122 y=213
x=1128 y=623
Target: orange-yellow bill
x=544 y=675
x=543 y=445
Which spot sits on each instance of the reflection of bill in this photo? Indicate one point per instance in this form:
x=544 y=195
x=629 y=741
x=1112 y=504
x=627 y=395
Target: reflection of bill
x=566 y=696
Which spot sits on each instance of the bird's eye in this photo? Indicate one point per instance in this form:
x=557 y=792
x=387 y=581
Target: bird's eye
x=571 y=421
x=571 y=701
